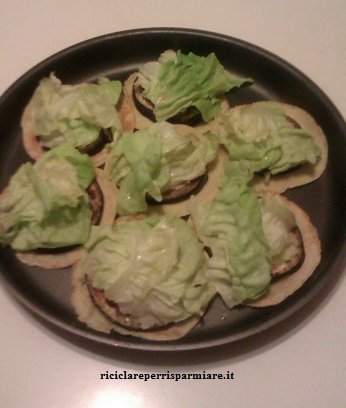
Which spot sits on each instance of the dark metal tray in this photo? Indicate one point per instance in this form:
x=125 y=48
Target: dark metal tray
x=47 y=293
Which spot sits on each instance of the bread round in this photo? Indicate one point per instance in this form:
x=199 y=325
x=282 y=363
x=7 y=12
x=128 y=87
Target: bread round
x=305 y=173
x=92 y=316
x=287 y=284
x=32 y=144
x=70 y=257
x=140 y=121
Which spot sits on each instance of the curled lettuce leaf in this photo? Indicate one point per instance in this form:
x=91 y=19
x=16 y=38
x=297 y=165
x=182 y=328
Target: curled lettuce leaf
x=45 y=204
x=177 y=81
x=278 y=222
x=73 y=114
x=231 y=227
x=155 y=160
x=153 y=269
x=261 y=136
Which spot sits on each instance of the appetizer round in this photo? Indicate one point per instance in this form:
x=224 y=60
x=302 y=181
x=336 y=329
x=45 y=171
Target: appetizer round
x=83 y=115
x=179 y=88
x=103 y=206
x=163 y=164
x=145 y=275
x=259 y=248
x=282 y=144
x=294 y=278
x=47 y=210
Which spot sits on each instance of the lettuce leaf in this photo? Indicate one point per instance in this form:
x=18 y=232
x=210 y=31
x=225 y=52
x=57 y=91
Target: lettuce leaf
x=231 y=227
x=261 y=136
x=153 y=269
x=82 y=165
x=278 y=222
x=45 y=204
x=155 y=160
x=73 y=114
x=177 y=81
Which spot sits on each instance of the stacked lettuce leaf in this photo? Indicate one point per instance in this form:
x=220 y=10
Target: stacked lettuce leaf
x=45 y=204
x=153 y=269
x=262 y=136
x=74 y=114
x=178 y=81
x=155 y=160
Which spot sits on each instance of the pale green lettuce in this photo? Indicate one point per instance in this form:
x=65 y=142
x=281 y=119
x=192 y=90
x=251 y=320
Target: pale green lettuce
x=231 y=227
x=45 y=204
x=261 y=136
x=278 y=222
x=155 y=160
x=73 y=114
x=177 y=81
x=153 y=269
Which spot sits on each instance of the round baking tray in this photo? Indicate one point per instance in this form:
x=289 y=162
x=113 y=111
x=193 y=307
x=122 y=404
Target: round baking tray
x=47 y=293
